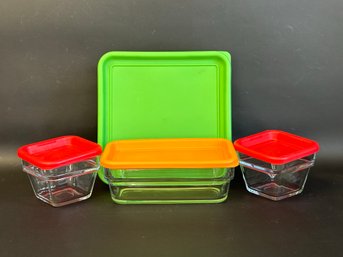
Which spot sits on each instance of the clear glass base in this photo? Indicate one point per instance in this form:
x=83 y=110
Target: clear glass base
x=64 y=185
x=63 y=197
x=151 y=190
x=275 y=182
x=169 y=194
x=274 y=192
x=65 y=191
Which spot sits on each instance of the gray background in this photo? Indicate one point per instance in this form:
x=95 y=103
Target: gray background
x=287 y=63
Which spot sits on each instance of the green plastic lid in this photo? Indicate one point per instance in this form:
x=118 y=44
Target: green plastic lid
x=144 y=95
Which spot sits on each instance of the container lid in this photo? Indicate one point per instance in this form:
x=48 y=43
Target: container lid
x=59 y=151
x=169 y=153
x=164 y=94
x=276 y=147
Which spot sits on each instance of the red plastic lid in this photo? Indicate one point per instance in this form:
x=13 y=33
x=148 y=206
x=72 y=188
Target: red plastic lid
x=276 y=147
x=59 y=151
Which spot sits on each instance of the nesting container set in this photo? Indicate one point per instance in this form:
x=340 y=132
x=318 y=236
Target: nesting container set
x=164 y=122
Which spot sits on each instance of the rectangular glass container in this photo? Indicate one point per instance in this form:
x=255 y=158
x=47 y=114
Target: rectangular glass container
x=209 y=185
x=169 y=170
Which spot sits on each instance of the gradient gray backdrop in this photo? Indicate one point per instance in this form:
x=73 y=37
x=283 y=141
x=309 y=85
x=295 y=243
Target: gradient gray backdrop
x=287 y=59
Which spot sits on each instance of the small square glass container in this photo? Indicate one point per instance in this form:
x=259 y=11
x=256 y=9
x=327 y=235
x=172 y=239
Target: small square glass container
x=61 y=170
x=275 y=164
x=169 y=171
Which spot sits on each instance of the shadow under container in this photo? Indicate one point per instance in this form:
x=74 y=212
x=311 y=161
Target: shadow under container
x=61 y=170
x=275 y=164
x=169 y=171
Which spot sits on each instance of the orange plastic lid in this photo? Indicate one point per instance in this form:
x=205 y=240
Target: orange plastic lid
x=169 y=153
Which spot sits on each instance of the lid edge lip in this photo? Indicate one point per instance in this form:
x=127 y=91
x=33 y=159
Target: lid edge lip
x=167 y=167
x=277 y=160
x=46 y=165
x=122 y=165
x=237 y=142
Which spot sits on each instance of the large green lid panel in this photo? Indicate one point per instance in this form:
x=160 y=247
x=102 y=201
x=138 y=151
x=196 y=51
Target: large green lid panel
x=145 y=95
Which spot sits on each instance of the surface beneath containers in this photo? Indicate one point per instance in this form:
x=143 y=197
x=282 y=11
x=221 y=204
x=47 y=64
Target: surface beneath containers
x=305 y=225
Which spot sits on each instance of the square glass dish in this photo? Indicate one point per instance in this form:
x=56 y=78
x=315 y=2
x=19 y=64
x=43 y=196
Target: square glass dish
x=162 y=171
x=146 y=95
x=275 y=164
x=61 y=170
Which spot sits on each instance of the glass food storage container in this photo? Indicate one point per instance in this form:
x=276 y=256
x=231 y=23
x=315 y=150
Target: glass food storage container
x=162 y=171
x=275 y=164
x=61 y=170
